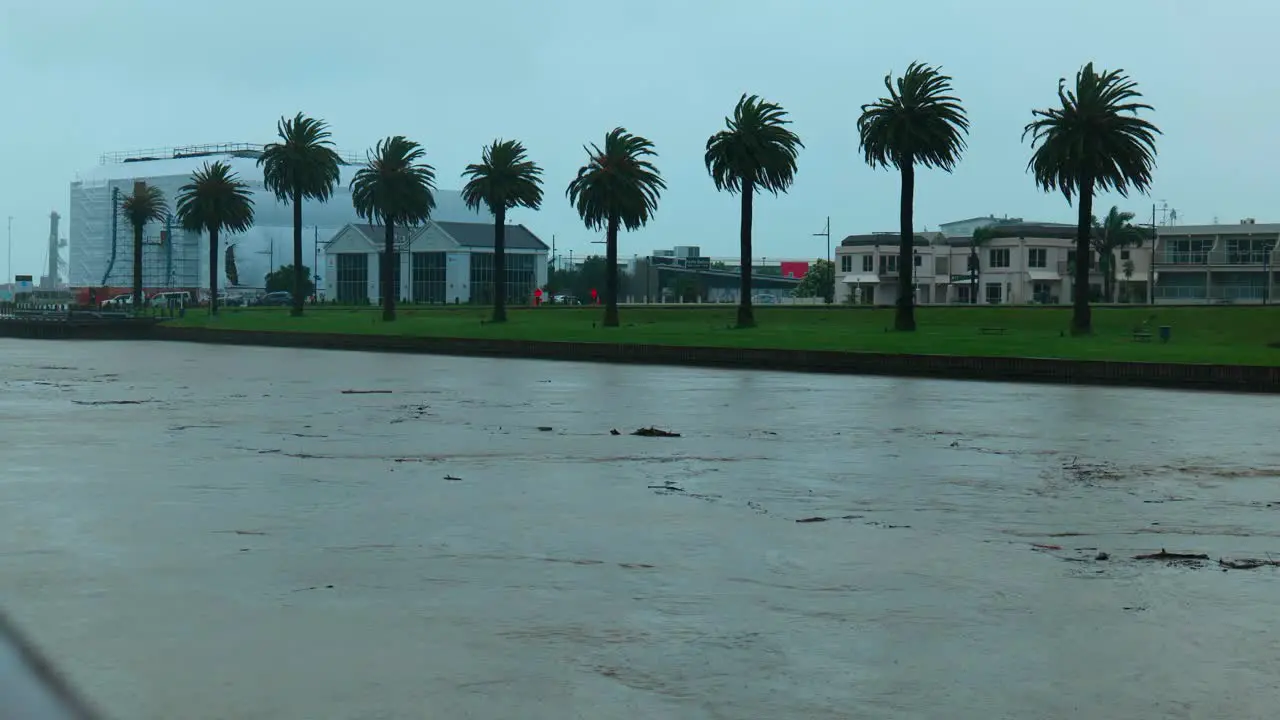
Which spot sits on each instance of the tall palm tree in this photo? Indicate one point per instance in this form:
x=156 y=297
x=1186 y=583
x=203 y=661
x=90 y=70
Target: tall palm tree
x=145 y=204
x=1114 y=232
x=302 y=165
x=394 y=188
x=618 y=187
x=756 y=151
x=918 y=123
x=215 y=200
x=504 y=178
x=1093 y=141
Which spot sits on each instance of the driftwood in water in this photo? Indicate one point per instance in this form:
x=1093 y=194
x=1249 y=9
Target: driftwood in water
x=1164 y=555
x=1247 y=563
x=655 y=432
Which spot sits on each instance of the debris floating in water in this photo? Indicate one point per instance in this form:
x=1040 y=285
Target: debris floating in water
x=655 y=432
x=815 y=518
x=545 y=428
x=366 y=392
x=452 y=478
x=1165 y=555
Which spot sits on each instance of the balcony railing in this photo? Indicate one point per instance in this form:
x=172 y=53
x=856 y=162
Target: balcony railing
x=1222 y=292
x=1240 y=257
x=1199 y=257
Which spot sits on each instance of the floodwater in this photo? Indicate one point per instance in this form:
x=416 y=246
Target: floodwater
x=220 y=532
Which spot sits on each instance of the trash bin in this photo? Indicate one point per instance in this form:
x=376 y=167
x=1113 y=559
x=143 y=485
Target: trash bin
x=1165 y=333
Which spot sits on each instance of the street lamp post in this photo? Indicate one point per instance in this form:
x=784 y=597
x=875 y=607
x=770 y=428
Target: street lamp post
x=8 y=266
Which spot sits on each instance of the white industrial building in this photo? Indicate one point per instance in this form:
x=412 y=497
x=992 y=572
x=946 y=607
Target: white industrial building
x=439 y=262
x=101 y=239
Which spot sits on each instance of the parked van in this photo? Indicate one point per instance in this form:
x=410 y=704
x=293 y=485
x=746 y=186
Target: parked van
x=176 y=298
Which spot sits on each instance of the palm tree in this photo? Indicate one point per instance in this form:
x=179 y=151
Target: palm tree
x=504 y=179
x=1093 y=141
x=919 y=123
x=215 y=200
x=302 y=166
x=980 y=237
x=395 y=188
x=755 y=152
x=1115 y=232
x=618 y=187
x=146 y=204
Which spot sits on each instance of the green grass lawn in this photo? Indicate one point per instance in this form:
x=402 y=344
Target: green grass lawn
x=1228 y=335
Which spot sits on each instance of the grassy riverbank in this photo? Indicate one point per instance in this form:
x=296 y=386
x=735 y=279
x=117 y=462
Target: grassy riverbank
x=1227 y=335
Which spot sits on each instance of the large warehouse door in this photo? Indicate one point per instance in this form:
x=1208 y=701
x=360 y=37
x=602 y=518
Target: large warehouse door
x=353 y=278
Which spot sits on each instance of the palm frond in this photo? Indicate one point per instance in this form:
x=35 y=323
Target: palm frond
x=303 y=162
x=1093 y=137
x=215 y=200
x=918 y=123
x=756 y=146
x=618 y=181
x=395 y=187
x=503 y=179
x=145 y=204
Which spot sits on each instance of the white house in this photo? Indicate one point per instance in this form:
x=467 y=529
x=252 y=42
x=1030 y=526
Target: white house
x=439 y=262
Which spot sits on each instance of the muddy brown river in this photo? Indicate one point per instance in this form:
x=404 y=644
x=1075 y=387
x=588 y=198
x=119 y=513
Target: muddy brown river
x=222 y=532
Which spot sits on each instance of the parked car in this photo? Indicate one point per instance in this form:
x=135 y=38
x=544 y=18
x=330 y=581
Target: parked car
x=118 y=302
x=276 y=299
x=176 y=298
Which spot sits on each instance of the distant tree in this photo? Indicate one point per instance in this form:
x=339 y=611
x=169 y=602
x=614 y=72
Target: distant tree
x=981 y=236
x=301 y=166
x=145 y=204
x=819 y=281
x=395 y=187
x=1128 y=278
x=618 y=187
x=756 y=151
x=233 y=272
x=284 y=279
x=918 y=123
x=215 y=200
x=1092 y=141
x=504 y=179
x=1114 y=232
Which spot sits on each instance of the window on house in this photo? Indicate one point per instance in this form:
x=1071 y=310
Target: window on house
x=919 y=261
x=868 y=263
x=1124 y=254
x=1037 y=257
x=993 y=293
x=846 y=263
x=888 y=264
x=998 y=257
x=1071 y=259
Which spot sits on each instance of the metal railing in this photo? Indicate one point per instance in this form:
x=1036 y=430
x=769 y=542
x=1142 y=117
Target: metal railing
x=1197 y=257
x=1240 y=257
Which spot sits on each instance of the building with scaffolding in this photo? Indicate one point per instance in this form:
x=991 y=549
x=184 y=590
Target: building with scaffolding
x=101 y=240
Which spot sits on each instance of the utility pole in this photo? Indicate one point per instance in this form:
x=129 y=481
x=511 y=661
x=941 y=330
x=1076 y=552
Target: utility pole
x=8 y=267
x=829 y=292
x=315 y=260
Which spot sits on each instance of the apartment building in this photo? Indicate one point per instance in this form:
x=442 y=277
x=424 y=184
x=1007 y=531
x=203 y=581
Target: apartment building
x=1022 y=263
x=1216 y=263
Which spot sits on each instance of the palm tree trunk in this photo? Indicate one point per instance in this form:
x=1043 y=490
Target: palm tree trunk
x=389 y=267
x=213 y=271
x=297 y=255
x=746 y=318
x=973 y=274
x=500 y=265
x=906 y=317
x=137 y=267
x=611 y=276
x=1081 y=322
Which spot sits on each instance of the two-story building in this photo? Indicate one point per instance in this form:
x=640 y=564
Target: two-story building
x=1017 y=263
x=1215 y=263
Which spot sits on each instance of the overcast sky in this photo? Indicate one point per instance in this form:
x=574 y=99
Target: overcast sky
x=82 y=77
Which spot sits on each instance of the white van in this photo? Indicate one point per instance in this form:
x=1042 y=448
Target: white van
x=177 y=298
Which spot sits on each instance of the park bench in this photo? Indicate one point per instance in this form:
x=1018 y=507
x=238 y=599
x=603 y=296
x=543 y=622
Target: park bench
x=991 y=331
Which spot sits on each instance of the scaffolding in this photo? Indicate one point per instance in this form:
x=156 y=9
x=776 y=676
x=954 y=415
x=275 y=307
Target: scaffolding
x=235 y=149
